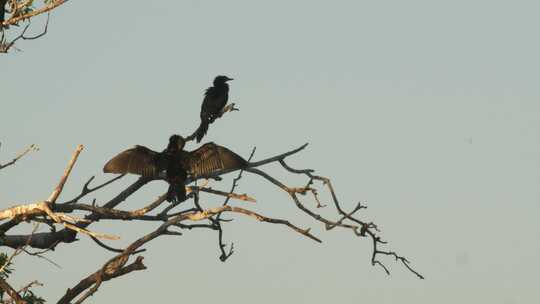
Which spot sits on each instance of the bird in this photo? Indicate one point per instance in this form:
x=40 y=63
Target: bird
x=143 y=161
x=215 y=99
x=2 y=12
x=179 y=165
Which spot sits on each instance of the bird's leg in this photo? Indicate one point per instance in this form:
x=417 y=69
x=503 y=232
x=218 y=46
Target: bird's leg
x=176 y=192
x=228 y=108
x=233 y=107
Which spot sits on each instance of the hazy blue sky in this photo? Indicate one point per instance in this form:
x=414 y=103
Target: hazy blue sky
x=427 y=110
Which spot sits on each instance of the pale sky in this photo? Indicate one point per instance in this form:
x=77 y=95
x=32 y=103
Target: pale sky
x=426 y=110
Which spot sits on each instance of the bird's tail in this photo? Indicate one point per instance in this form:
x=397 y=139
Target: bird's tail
x=176 y=192
x=201 y=131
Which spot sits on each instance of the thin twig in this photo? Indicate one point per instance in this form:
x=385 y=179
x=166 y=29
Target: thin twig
x=226 y=255
x=19 y=156
x=243 y=197
x=87 y=190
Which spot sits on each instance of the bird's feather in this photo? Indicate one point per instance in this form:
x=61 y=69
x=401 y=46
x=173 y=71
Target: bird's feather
x=138 y=160
x=211 y=158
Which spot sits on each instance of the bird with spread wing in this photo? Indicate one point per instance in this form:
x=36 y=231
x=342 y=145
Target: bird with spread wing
x=179 y=165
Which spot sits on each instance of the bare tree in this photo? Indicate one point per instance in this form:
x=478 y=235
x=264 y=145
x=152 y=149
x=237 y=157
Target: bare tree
x=176 y=219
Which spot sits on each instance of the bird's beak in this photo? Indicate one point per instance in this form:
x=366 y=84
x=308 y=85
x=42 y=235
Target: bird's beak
x=229 y=79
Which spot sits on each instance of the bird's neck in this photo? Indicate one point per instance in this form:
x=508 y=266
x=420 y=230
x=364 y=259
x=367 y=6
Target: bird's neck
x=222 y=86
x=172 y=148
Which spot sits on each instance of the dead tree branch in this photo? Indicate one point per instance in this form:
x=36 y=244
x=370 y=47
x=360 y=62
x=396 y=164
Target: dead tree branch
x=54 y=195
x=87 y=190
x=6 y=45
x=226 y=255
x=52 y=239
x=19 y=156
x=32 y=210
x=361 y=230
x=46 y=8
x=115 y=267
x=99 y=276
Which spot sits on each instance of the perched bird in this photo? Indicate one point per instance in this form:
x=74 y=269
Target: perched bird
x=143 y=161
x=179 y=165
x=215 y=99
x=2 y=11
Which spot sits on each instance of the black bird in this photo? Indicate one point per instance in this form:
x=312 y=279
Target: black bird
x=215 y=99
x=143 y=161
x=2 y=12
x=179 y=165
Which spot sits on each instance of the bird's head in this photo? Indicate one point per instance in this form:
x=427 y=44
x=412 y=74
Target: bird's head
x=221 y=80
x=176 y=142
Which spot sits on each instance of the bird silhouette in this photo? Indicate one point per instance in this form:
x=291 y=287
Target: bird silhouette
x=179 y=165
x=215 y=99
x=143 y=161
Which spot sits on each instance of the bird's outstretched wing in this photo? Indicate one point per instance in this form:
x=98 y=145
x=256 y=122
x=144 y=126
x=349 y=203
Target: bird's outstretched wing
x=138 y=160
x=211 y=158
